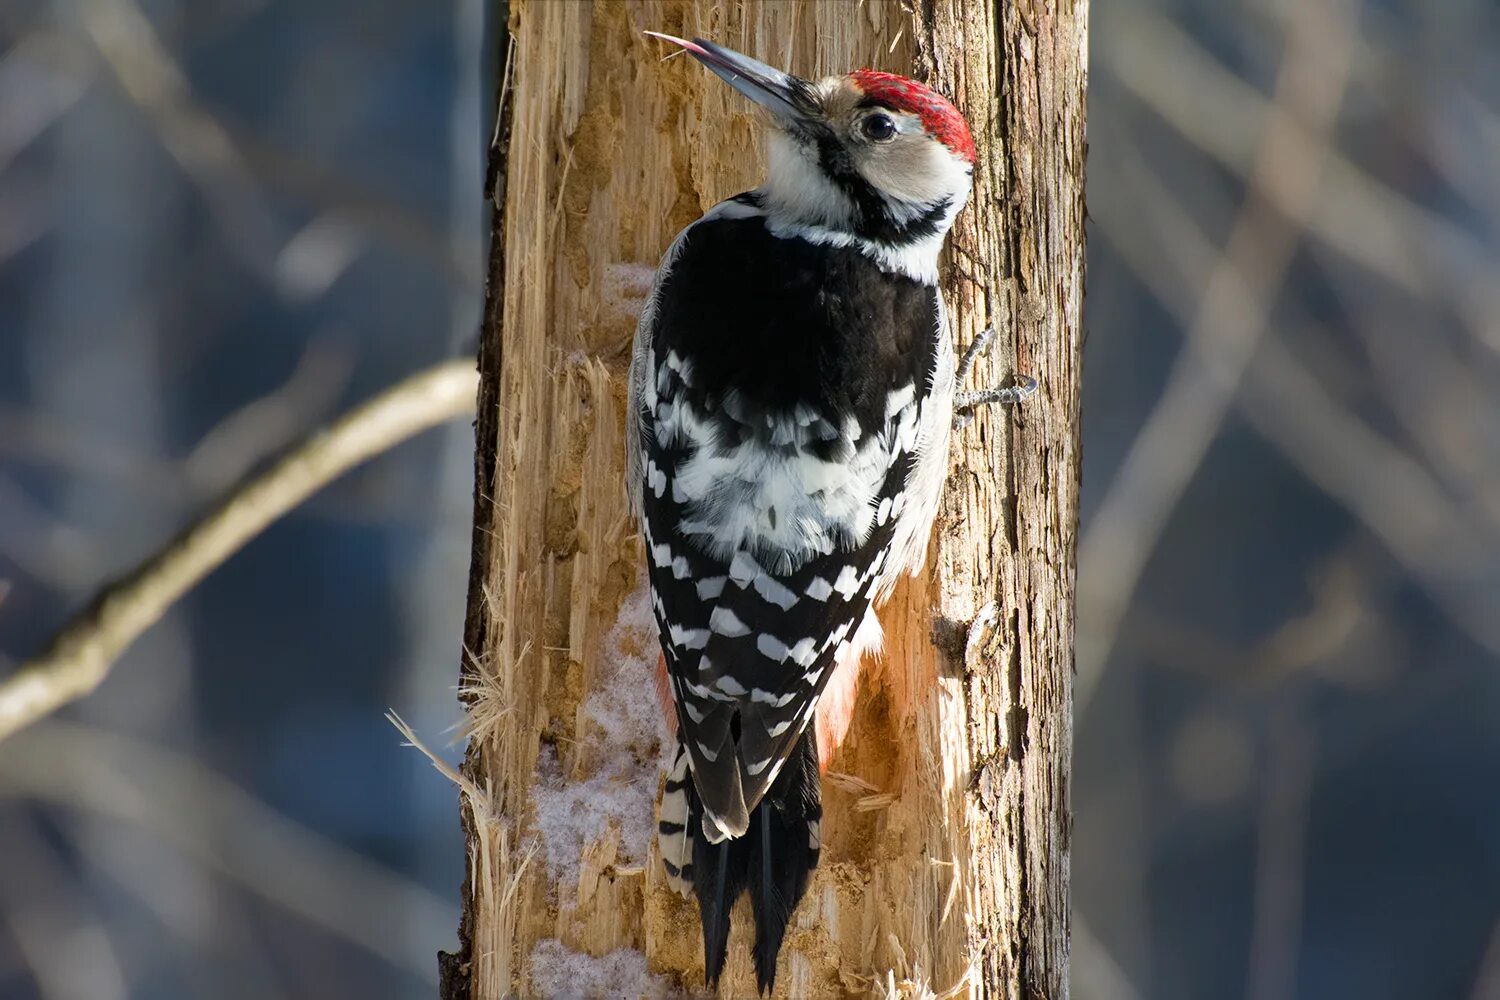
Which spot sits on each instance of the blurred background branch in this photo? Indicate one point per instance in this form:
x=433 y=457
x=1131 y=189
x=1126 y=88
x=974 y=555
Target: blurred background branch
x=81 y=655
x=1226 y=330
x=225 y=829
x=197 y=202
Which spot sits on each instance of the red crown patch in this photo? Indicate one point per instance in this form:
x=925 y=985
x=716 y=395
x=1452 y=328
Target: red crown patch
x=939 y=116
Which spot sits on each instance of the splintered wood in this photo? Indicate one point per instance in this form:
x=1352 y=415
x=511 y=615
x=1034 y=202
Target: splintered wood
x=944 y=868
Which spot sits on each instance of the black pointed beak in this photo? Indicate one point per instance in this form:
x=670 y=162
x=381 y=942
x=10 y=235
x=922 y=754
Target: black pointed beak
x=787 y=97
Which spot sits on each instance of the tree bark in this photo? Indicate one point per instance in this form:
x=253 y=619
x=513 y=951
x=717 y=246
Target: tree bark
x=945 y=861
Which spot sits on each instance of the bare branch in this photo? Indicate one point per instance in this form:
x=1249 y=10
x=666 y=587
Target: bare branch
x=266 y=425
x=30 y=67
x=80 y=657
x=42 y=904
x=216 y=824
x=1281 y=857
x=1365 y=219
x=1443 y=547
x=1226 y=331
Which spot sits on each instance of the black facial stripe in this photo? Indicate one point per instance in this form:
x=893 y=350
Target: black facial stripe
x=873 y=219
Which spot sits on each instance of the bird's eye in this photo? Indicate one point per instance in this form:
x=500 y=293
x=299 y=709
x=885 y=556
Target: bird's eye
x=879 y=128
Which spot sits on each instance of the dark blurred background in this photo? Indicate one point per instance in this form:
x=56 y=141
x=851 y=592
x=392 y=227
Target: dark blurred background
x=222 y=222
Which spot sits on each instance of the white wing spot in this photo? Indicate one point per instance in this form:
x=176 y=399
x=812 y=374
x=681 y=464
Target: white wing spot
x=757 y=767
x=745 y=572
x=819 y=589
x=726 y=623
x=900 y=399
x=684 y=369
x=742 y=569
x=710 y=587
x=778 y=729
x=773 y=591
x=689 y=638
x=656 y=479
x=847 y=583
x=771 y=647
x=836 y=635
x=730 y=686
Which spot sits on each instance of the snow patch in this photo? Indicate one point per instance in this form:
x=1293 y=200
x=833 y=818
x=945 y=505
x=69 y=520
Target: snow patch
x=625 y=289
x=623 y=733
x=559 y=973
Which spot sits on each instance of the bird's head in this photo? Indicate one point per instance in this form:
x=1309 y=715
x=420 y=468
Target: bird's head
x=879 y=156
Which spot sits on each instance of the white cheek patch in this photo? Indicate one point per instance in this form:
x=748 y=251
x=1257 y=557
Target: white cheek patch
x=916 y=170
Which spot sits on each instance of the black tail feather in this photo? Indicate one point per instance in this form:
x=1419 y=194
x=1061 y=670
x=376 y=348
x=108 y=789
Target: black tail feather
x=773 y=860
x=715 y=899
x=787 y=855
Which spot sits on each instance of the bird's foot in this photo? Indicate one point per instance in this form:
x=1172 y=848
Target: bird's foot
x=965 y=404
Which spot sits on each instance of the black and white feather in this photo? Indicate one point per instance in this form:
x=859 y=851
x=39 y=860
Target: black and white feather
x=787 y=436
x=789 y=412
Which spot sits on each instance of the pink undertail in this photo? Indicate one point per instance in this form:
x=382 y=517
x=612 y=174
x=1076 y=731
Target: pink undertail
x=664 y=694
x=836 y=707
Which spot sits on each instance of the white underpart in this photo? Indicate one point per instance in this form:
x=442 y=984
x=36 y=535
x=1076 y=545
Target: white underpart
x=868 y=639
x=781 y=510
x=916 y=508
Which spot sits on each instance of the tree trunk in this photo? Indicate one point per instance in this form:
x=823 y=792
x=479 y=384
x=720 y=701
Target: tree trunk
x=945 y=851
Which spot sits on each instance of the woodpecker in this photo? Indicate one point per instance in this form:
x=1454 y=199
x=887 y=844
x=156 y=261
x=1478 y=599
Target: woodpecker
x=791 y=397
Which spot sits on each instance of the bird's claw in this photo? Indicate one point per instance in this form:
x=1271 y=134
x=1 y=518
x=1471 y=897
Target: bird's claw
x=1009 y=395
x=966 y=403
x=981 y=345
